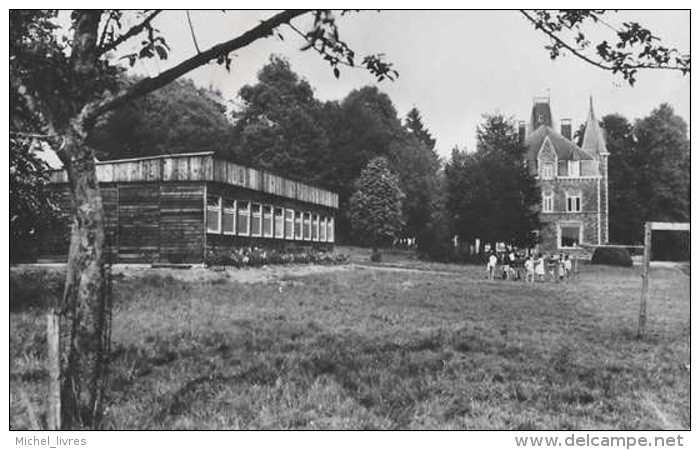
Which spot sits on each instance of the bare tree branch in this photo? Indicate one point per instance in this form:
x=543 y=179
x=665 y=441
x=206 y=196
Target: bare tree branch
x=133 y=31
x=194 y=38
x=92 y=111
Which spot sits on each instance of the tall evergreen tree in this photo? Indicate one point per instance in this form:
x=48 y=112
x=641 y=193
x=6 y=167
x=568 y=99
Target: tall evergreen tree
x=414 y=123
x=375 y=207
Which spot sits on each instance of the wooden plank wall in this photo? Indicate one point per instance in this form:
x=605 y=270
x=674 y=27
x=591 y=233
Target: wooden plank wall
x=205 y=167
x=181 y=222
x=144 y=222
x=139 y=219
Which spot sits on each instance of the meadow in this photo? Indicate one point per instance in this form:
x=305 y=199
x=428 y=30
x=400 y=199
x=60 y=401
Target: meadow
x=433 y=346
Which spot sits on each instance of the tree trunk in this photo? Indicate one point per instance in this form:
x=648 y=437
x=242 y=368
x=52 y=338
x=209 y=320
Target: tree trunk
x=85 y=324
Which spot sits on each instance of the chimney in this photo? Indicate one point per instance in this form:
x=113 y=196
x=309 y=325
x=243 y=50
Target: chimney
x=521 y=131
x=566 y=128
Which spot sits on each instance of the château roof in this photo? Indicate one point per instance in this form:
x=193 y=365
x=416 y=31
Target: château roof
x=564 y=148
x=593 y=138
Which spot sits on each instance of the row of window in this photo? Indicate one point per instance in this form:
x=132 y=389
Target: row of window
x=574 y=170
x=573 y=202
x=244 y=218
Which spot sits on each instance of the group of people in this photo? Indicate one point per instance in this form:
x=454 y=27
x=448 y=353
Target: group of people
x=516 y=265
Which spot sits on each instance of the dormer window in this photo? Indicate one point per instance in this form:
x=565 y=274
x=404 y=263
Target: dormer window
x=547 y=171
x=574 y=168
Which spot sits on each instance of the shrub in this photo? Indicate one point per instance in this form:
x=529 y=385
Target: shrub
x=612 y=256
x=256 y=257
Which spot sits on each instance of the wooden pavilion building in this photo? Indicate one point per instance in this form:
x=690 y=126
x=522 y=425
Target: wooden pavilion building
x=180 y=208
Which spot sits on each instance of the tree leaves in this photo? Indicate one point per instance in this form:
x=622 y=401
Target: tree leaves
x=375 y=208
x=635 y=47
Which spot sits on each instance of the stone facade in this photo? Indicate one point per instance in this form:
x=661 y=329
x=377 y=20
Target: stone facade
x=573 y=181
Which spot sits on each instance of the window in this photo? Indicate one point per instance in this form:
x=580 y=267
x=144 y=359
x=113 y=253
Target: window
x=213 y=214
x=573 y=202
x=307 y=226
x=267 y=221
x=314 y=228
x=279 y=223
x=297 y=225
x=289 y=223
x=243 y=218
x=228 y=222
x=547 y=202
x=570 y=235
x=574 y=168
x=331 y=230
x=255 y=220
x=547 y=171
x=322 y=229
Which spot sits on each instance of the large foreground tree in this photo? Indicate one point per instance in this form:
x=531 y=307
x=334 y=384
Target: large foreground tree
x=67 y=80
x=67 y=84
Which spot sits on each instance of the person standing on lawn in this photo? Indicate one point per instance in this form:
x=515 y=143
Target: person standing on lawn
x=529 y=270
x=491 y=265
x=539 y=267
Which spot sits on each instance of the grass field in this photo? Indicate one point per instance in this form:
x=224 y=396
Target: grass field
x=368 y=348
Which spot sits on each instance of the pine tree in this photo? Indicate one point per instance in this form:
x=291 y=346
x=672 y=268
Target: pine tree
x=375 y=207
x=414 y=122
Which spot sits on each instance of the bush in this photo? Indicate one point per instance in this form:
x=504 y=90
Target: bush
x=256 y=257
x=612 y=256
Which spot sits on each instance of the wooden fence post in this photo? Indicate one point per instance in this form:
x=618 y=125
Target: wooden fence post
x=54 y=362
x=645 y=281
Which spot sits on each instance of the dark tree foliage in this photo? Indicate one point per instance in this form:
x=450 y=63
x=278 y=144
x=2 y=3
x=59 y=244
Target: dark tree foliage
x=179 y=118
x=280 y=125
x=490 y=193
x=624 y=202
x=366 y=125
x=649 y=179
x=649 y=172
x=375 y=207
x=414 y=123
x=32 y=207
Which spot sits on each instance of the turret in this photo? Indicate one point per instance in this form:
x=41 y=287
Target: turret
x=593 y=139
x=594 y=144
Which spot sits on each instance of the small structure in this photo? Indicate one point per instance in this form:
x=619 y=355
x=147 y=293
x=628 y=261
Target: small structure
x=573 y=179
x=180 y=208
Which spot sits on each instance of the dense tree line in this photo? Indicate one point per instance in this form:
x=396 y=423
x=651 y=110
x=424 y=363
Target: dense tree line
x=281 y=126
x=649 y=178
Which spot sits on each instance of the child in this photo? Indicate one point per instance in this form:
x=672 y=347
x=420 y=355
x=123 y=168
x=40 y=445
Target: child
x=551 y=265
x=529 y=270
x=491 y=266
x=567 y=267
x=560 y=267
x=539 y=267
x=512 y=265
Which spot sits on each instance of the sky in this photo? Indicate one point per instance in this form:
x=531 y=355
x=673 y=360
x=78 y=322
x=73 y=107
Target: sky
x=454 y=66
